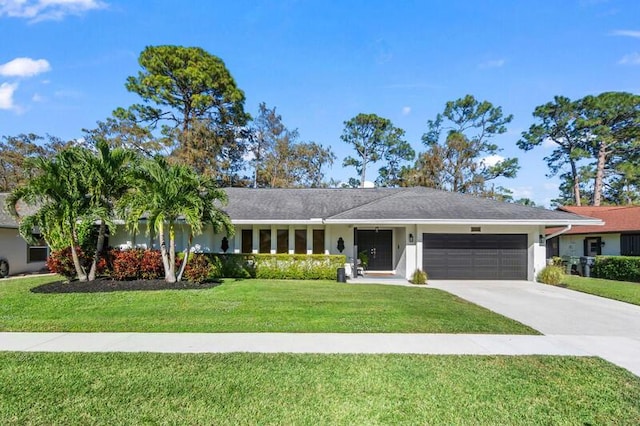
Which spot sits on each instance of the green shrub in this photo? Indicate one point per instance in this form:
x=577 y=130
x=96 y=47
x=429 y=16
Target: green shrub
x=298 y=266
x=277 y=266
x=551 y=275
x=419 y=277
x=230 y=265
x=619 y=268
x=557 y=261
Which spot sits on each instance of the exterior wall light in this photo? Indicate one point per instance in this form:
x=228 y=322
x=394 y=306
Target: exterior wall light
x=225 y=244
x=340 y=244
x=410 y=238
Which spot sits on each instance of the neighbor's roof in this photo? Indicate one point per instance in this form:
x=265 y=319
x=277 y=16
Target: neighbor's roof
x=6 y=220
x=383 y=205
x=615 y=218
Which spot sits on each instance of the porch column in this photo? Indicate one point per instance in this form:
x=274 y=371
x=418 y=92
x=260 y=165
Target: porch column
x=255 y=239
x=292 y=239
x=274 y=239
x=327 y=240
x=237 y=240
x=309 y=239
x=354 y=270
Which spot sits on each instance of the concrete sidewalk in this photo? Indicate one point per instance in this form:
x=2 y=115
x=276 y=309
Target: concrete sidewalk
x=324 y=343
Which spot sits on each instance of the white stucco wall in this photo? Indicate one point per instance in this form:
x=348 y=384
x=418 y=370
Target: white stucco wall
x=407 y=256
x=14 y=249
x=573 y=245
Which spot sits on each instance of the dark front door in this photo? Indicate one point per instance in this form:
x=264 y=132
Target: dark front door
x=378 y=246
x=475 y=256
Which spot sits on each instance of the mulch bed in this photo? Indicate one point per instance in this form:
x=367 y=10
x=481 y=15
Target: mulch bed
x=105 y=285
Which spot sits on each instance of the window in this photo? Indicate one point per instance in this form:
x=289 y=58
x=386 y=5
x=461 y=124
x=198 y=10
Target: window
x=630 y=245
x=301 y=241
x=247 y=240
x=282 y=242
x=265 y=241
x=318 y=241
x=37 y=252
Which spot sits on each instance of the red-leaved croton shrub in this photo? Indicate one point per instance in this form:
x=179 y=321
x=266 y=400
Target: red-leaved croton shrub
x=135 y=264
x=198 y=268
x=126 y=264
x=151 y=265
x=61 y=262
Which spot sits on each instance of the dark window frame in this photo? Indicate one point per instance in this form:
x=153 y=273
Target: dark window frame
x=318 y=244
x=630 y=244
x=265 y=241
x=300 y=238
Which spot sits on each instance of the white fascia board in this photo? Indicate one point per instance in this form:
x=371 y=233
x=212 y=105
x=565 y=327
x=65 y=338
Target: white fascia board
x=523 y=222
x=278 y=222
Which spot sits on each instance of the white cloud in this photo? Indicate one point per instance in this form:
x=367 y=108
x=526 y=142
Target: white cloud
x=522 y=192
x=548 y=143
x=368 y=184
x=38 y=98
x=630 y=59
x=24 y=67
x=43 y=10
x=626 y=33
x=6 y=95
x=492 y=160
x=494 y=63
x=406 y=110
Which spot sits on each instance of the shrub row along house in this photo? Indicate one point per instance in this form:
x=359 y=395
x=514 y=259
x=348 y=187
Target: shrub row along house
x=396 y=230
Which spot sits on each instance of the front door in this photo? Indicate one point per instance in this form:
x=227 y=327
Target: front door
x=377 y=245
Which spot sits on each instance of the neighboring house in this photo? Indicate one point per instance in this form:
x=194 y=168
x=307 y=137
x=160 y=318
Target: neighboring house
x=449 y=235
x=20 y=256
x=620 y=234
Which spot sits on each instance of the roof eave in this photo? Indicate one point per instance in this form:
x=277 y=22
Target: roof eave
x=527 y=222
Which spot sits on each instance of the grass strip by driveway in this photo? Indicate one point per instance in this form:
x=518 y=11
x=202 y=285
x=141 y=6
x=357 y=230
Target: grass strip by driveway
x=617 y=290
x=250 y=306
x=70 y=389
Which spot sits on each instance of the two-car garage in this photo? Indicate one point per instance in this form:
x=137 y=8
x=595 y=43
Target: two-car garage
x=475 y=256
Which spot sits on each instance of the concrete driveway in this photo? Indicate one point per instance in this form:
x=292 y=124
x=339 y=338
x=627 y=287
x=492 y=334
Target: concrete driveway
x=604 y=327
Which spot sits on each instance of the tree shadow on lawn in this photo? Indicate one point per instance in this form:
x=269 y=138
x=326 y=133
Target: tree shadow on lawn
x=108 y=285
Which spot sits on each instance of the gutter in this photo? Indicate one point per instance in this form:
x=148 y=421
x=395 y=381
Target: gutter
x=560 y=232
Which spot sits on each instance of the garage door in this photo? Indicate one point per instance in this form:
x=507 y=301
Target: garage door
x=475 y=256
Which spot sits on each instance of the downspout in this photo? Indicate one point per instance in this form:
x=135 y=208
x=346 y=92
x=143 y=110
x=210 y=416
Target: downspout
x=560 y=232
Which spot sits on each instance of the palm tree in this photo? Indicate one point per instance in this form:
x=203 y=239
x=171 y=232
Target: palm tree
x=57 y=192
x=171 y=194
x=107 y=174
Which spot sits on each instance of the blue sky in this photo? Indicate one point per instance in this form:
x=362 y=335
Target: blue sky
x=323 y=62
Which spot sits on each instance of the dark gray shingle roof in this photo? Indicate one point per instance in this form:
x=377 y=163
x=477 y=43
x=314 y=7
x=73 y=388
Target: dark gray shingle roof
x=380 y=204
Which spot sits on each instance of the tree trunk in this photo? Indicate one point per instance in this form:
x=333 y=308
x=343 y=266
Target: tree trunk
x=168 y=277
x=99 y=247
x=172 y=252
x=82 y=275
x=598 y=184
x=186 y=257
x=576 y=183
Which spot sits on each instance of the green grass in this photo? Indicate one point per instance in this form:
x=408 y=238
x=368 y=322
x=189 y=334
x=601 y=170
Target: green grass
x=617 y=290
x=79 y=389
x=250 y=306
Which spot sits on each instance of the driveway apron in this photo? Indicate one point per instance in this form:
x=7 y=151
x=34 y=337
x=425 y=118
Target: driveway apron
x=604 y=327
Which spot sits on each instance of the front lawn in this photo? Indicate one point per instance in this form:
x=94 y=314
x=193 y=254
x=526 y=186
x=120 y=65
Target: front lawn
x=117 y=388
x=617 y=290
x=250 y=306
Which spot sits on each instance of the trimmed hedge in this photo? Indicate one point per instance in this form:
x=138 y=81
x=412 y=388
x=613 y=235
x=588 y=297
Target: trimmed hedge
x=619 y=268
x=278 y=266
